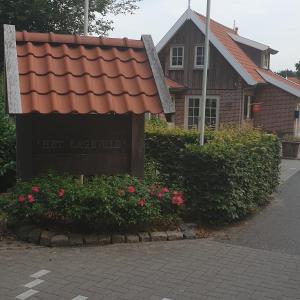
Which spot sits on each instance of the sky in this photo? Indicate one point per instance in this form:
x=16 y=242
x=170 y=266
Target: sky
x=272 y=22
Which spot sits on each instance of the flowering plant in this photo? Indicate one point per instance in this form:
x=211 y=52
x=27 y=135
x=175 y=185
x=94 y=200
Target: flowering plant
x=110 y=202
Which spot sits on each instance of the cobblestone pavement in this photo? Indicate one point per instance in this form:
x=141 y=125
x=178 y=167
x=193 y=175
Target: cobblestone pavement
x=197 y=269
x=259 y=259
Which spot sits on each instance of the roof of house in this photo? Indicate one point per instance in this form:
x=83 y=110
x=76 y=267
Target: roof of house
x=171 y=84
x=294 y=79
x=80 y=74
x=226 y=41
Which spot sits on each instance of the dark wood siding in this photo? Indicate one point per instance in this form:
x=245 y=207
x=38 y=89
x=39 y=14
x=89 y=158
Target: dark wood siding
x=253 y=53
x=220 y=75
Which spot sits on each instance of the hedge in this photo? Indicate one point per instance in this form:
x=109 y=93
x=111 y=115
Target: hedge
x=232 y=175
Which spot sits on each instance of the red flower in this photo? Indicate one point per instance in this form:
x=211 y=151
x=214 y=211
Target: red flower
x=30 y=198
x=177 y=199
x=164 y=190
x=22 y=198
x=131 y=189
x=61 y=193
x=160 y=195
x=142 y=202
x=35 y=189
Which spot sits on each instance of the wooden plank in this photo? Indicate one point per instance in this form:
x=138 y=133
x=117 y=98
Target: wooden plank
x=138 y=145
x=165 y=97
x=24 y=146
x=11 y=70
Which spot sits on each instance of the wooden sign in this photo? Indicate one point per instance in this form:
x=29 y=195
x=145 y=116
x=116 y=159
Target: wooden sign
x=80 y=144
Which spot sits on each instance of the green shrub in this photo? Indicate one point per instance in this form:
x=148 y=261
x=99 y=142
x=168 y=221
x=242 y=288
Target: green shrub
x=7 y=144
x=105 y=202
x=230 y=176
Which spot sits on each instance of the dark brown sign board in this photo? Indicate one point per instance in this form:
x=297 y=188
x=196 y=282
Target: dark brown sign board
x=89 y=144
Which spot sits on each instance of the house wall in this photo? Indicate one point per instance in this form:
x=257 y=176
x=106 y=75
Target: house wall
x=253 y=53
x=277 y=114
x=230 y=106
x=220 y=74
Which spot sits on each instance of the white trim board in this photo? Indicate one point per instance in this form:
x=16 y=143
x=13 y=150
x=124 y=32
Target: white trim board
x=251 y=43
x=191 y=15
x=280 y=84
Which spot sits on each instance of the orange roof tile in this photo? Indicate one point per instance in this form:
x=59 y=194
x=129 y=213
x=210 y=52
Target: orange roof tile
x=77 y=74
x=221 y=33
x=171 y=84
x=294 y=79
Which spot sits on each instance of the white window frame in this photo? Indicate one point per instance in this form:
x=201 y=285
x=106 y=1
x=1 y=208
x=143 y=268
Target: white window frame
x=171 y=57
x=186 y=108
x=265 y=60
x=195 y=56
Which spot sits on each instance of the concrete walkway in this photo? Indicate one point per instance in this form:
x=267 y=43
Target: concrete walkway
x=276 y=227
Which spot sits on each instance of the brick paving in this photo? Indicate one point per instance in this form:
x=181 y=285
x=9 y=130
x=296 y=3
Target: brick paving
x=190 y=269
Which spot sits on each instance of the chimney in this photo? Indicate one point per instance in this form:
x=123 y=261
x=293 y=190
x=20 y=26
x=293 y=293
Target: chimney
x=235 y=28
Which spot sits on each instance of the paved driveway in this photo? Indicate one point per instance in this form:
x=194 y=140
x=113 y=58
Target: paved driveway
x=259 y=260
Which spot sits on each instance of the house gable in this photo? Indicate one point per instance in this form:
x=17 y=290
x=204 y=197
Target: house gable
x=221 y=75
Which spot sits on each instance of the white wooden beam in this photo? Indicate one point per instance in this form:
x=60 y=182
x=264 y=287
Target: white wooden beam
x=11 y=70
x=165 y=97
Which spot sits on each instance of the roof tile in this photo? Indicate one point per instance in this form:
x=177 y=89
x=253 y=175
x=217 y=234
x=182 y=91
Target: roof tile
x=75 y=74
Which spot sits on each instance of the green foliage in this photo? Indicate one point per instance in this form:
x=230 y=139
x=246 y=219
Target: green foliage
x=230 y=176
x=106 y=202
x=297 y=65
x=165 y=146
x=7 y=142
x=287 y=73
x=62 y=16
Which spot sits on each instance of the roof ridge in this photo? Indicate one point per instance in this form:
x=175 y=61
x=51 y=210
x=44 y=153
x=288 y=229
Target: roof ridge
x=38 y=37
x=216 y=22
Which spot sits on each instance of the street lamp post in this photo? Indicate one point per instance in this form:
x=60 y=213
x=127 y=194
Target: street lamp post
x=204 y=80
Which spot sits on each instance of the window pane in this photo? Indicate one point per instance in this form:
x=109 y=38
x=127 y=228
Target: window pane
x=180 y=51
x=196 y=102
x=174 y=52
x=180 y=62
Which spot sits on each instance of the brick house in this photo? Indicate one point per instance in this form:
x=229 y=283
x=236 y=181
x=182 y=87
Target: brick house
x=241 y=86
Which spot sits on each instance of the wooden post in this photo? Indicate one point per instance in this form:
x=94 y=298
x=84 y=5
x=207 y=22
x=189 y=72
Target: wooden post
x=138 y=145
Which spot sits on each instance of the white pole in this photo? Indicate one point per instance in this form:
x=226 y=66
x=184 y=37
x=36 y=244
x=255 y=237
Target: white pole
x=204 y=81
x=86 y=17
x=189 y=5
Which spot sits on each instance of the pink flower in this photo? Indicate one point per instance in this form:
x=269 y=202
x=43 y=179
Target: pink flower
x=35 y=189
x=164 y=190
x=21 y=198
x=177 y=199
x=160 y=195
x=30 y=198
x=142 y=202
x=131 y=189
x=61 y=193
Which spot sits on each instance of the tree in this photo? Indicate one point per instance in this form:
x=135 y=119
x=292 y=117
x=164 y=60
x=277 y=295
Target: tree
x=287 y=73
x=297 y=65
x=62 y=16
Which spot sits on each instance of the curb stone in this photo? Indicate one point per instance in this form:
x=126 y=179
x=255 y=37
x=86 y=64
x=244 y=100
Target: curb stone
x=158 y=236
x=48 y=238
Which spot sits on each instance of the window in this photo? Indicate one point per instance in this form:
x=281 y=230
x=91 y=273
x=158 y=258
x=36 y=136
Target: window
x=194 y=108
x=248 y=107
x=199 y=56
x=265 y=60
x=177 y=56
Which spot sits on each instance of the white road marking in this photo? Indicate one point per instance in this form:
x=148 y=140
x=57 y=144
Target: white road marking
x=26 y=294
x=166 y=299
x=33 y=283
x=40 y=273
x=80 y=298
